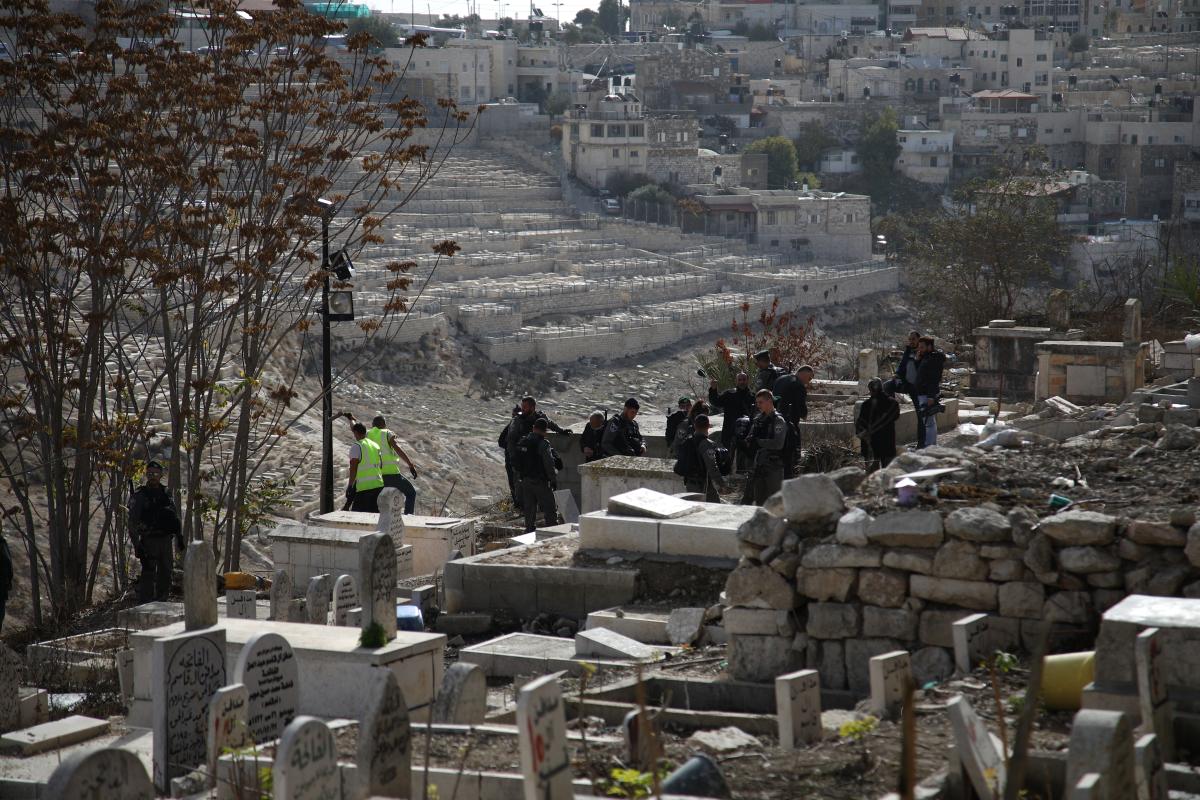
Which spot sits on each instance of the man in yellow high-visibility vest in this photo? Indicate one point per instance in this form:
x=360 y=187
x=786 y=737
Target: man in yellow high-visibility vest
x=366 y=472
x=392 y=452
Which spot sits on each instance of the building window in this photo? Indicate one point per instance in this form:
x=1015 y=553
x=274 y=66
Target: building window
x=1048 y=130
x=933 y=161
x=465 y=91
x=849 y=218
x=814 y=218
x=1041 y=56
x=597 y=131
x=1160 y=162
x=1066 y=130
x=1020 y=61
x=616 y=131
x=772 y=218
x=637 y=130
x=633 y=153
x=616 y=152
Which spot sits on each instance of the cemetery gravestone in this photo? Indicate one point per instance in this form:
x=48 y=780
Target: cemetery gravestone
x=385 y=740
x=463 y=696
x=241 y=604
x=969 y=634
x=1151 y=774
x=377 y=566
x=281 y=596
x=542 y=735
x=1102 y=742
x=391 y=513
x=1089 y=787
x=345 y=597
x=891 y=674
x=187 y=669
x=227 y=726
x=125 y=674
x=10 y=678
x=306 y=762
x=567 y=506
x=267 y=668
x=798 y=708
x=105 y=774
x=1152 y=691
x=199 y=587
x=976 y=749
x=641 y=740
x=316 y=599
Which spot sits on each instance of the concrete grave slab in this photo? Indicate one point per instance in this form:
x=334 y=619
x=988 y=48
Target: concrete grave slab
x=567 y=506
x=708 y=532
x=649 y=503
x=53 y=735
x=599 y=530
x=605 y=643
x=1178 y=620
x=645 y=626
x=517 y=654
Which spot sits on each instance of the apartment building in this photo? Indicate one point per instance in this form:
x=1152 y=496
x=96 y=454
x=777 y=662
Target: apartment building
x=926 y=155
x=483 y=70
x=1020 y=59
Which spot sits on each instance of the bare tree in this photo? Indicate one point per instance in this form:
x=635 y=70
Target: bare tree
x=163 y=255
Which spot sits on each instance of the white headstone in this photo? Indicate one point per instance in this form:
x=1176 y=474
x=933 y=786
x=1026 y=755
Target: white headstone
x=1157 y=710
x=1148 y=765
x=241 y=604
x=868 y=366
x=970 y=645
x=798 y=708
x=542 y=735
x=281 y=595
x=377 y=566
x=891 y=674
x=10 y=680
x=1090 y=787
x=649 y=503
x=345 y=597
x=187 y=669
x=125 y=674
x=977 y=750
x=462 y=699
x=567 y=506
x=391 y=513
x=385 y=740
x=306 y=763
x=1102 y=742
x=316 y=599
x=199 y=587
x=267 y=667
x=227 y=728
x=105 y=774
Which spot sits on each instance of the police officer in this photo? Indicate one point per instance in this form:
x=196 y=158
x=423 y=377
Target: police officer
x=792 y=391
x=768 y=435
x=708 y=478
x=153 y=523
x=622 y=437
x=520 y=427
x=514 y=483
x=538 y=464
x=767 y=372
x=589 y=440
x=365 y=481
x=673 y=420
x=391 y=452
x=735 y=402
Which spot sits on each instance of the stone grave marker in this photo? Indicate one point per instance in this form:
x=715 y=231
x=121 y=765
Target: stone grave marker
x=345 y=597
x=199 y=587
x=542 y=734
x=227 y=726
x=267 y=667
x=105 y=774
x=970 y=636
x=567 y=506
x=798 y=708
x=377 y=566
x=462 y=699
x=125 y=674
x=241 y=604
x=316 y=599
x=1102 y=742
x=1156 y=709
x=1149 y=769
x=978 y=752
x=642 y=747
x=391 y=513
x=1090 y=787
x=187 y=669
x=890 y=674
x=649 y=503
x=385 y=740
x=281 y=595
x=10 y=679
x=306 y=762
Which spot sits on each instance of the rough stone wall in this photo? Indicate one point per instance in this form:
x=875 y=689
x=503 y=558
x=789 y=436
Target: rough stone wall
x=824 y=588
x=659 y=76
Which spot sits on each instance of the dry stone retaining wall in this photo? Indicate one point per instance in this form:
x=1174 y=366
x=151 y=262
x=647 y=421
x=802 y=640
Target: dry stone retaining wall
x=825 y=588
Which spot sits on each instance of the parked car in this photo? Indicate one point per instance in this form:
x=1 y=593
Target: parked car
x=611 y=206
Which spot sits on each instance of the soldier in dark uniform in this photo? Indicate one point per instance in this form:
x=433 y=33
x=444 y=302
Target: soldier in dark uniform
x=153 y=524
x=768 y=436
x=735 y=402
x=538 y=464
x=767 y=372
x=589 y=440
x=707 y=478
x=673 y=420
x=622 y=437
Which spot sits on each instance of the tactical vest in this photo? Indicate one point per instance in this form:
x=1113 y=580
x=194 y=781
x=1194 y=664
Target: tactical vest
x=391 y=461
x=370 y=467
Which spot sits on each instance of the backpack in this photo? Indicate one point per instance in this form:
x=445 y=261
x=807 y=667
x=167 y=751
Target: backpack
x=724 y=459
x=529 y=459
x=688 y=464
